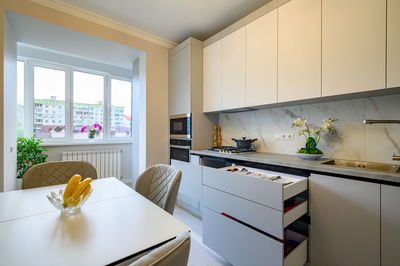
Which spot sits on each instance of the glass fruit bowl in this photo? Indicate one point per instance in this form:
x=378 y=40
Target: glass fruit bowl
x=57 y=201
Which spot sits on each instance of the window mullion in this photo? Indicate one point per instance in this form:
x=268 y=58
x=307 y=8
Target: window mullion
x=28 y=99
x=69 y=107
x=107 y=106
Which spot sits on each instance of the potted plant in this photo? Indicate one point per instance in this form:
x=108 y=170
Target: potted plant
x=29 y=153
x=313 y=136
x=92 y=130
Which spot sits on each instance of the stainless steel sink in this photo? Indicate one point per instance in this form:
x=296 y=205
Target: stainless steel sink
x=384 y=167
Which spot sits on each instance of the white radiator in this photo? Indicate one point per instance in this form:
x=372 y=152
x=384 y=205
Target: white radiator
x=106 y=162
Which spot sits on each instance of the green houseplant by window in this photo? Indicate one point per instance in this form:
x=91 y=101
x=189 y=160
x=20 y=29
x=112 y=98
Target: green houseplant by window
x=29 y=153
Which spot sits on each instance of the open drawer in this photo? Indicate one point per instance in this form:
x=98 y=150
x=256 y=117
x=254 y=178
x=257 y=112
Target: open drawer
x=264 y=187
x=241 y=245
x=254 y=214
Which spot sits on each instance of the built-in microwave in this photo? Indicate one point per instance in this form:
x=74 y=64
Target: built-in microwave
x=180 y=126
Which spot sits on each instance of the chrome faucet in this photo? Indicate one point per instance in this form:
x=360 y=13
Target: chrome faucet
x=370 y=122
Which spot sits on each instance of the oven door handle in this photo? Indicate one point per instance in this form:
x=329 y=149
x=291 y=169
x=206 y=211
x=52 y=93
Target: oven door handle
x=180 y=147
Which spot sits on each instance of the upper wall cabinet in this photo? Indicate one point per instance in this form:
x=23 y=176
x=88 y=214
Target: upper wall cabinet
x=353 y=46
x=234 y=69
x=299 y=50
x=179 y=82
x=393 y=43
x=261 y=60
x=212 y=77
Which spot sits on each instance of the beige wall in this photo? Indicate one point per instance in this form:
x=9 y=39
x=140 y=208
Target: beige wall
x=156 y=71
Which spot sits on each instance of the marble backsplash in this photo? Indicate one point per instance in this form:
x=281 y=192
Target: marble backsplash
x=354 y=141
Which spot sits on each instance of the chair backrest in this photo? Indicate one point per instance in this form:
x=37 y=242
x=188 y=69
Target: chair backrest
x=56 y=173
x=175 y=252
x=160 y=184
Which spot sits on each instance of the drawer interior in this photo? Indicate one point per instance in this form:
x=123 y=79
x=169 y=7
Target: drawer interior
x=278 y=178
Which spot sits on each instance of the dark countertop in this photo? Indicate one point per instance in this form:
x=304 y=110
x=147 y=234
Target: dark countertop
x=293 y=161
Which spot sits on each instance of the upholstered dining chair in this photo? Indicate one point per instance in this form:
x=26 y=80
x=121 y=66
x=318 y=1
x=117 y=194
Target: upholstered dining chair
x=56 y=173
x=173 y=253
x=160 y=184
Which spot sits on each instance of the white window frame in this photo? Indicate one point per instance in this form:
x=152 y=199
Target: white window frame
x=29 y=65
x=109 y=97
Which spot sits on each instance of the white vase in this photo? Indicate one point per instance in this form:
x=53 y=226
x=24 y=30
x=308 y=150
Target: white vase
x=19 y=183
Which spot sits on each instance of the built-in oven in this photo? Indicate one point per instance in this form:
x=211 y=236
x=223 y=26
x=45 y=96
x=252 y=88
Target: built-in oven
x=180 y=149
x=180 y=126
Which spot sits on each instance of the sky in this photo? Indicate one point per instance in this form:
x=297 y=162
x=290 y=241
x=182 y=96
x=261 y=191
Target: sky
x=87 y=88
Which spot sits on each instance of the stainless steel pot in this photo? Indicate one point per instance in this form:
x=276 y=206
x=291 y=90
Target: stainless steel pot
x=244 y=143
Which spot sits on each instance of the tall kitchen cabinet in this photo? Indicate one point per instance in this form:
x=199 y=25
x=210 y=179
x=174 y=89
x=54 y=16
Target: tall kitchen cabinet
x=186 y=96
x=390 y=223
x=262 y=60
x=393 y=43
x=212 y=77
x=345 y=221
x=353 y=45
x=299 y=50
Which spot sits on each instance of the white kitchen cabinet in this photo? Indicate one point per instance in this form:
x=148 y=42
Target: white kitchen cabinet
x=179 y=81
x=234 y=69
x=353 y=46
x=390 y=223
x=244 y=219
x=212 y=77
x=190 y=188
x=262 y=60
x=299 y=50
x=242 y=246
x=393 y=43
x=345 y=221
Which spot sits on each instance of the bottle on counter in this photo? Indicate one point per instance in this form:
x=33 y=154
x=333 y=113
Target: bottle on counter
x=215 y=138
x=219 y=137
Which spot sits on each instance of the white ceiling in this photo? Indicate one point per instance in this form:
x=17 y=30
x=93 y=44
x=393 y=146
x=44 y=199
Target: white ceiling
x=174 y=20
x=66 y=41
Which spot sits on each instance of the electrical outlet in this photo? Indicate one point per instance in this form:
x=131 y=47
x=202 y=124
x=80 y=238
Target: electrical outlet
x=285 y=136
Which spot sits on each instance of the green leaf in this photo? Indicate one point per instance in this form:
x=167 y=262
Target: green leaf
x=29 y=153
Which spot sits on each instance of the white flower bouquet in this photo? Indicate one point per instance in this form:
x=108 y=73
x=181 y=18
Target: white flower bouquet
x=313 y=135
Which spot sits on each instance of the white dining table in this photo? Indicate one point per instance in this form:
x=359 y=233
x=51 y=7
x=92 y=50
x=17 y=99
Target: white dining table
x=116 y=224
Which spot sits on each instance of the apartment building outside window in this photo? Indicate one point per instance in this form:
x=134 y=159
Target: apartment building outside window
x=64 y=99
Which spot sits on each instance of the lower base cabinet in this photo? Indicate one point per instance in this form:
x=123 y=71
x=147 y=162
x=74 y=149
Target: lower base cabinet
x=247 y=214
x=189 y=194
x=390 y=222
x=241 y=245
x=345 y=222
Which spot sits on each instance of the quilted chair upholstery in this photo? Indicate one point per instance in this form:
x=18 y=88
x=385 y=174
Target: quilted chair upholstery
x=56 y=173
x=173 y=253
x=160 y=184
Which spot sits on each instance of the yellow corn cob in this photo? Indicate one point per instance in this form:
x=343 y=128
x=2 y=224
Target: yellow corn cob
x=72 y=184
x=81 y=187
x=82 y=196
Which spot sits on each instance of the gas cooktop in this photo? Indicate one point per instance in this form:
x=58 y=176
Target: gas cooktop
x=231 y=149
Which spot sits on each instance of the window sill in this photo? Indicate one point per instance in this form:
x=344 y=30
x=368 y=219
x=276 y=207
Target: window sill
x=84 y=143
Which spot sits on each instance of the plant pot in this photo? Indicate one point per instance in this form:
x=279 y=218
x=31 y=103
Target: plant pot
x=91 y=135
x=19 y=183
x=307 y=156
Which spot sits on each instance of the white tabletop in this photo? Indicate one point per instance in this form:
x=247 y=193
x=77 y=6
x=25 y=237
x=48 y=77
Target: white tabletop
x=115 y=223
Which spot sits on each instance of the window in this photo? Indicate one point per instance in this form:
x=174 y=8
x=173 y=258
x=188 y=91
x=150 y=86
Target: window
x=65 y=99
x=20 y=98
x=88 y=98
x=49 y=90
x=121 y=114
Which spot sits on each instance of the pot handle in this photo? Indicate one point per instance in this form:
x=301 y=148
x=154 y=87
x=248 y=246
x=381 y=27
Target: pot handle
x=234 y=139
x=254 y=140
